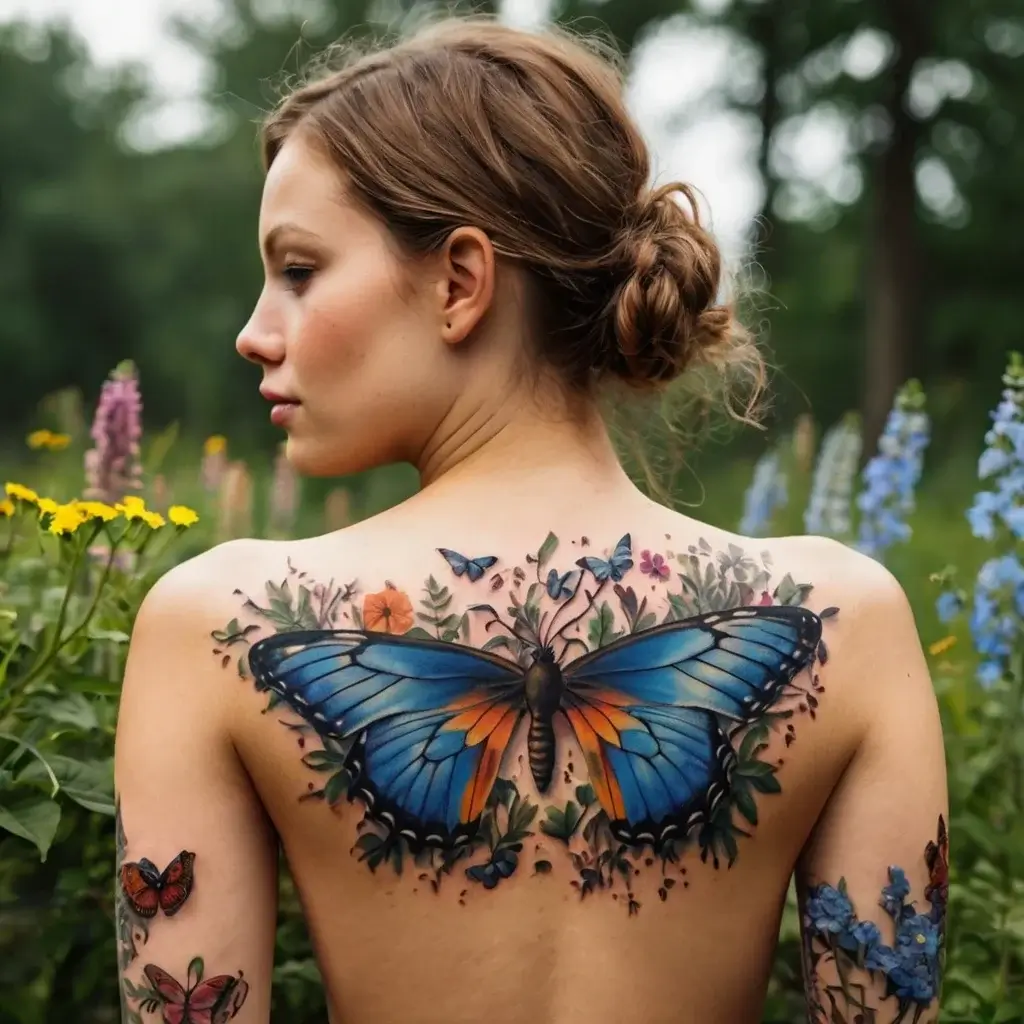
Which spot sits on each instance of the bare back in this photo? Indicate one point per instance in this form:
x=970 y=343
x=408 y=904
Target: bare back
x=559 y=774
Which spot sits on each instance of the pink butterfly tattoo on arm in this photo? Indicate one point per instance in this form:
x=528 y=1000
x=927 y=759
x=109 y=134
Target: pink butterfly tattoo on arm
x=214 y=1001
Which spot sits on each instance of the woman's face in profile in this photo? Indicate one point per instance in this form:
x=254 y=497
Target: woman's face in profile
x=349 y=342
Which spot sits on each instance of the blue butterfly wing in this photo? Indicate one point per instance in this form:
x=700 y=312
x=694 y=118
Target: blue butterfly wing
x=615 y=567
x=459 y=563
x=650 y=710
x=427 y=722
x=476 y=567
x=621 y=559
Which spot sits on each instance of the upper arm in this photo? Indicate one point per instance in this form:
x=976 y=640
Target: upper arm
x=182 y=790
x=878 y=837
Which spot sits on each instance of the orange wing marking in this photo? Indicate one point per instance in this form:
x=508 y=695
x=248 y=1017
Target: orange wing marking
x=476 y=794
x=602 y=778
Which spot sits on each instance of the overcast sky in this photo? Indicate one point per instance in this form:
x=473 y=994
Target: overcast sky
x=680 y=67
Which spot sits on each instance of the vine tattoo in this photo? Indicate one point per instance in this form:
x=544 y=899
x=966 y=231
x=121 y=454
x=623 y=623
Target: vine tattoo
x=910 y=968
x=647 y=706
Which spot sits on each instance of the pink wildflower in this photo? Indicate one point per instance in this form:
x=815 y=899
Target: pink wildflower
x=654 y=565
x=112 y=468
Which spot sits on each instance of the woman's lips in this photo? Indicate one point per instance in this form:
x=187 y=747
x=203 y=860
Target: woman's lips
x=282 y=413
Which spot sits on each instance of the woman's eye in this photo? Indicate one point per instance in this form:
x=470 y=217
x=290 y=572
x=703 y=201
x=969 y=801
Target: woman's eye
x=296 y=275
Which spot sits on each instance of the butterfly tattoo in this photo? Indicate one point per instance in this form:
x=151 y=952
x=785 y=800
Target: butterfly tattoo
x=615 y=567
x=474 y=568
x=426 y=723
x=213 y=1001
x=148 y=889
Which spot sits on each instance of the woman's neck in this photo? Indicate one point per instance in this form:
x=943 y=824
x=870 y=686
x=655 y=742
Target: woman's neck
x=521 y=451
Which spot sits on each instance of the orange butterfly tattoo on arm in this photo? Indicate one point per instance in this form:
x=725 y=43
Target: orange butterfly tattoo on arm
x=148 y=889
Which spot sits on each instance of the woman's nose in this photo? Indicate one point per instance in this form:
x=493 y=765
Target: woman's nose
x=259 y=341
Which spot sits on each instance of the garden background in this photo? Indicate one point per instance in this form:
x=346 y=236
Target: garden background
x=896 y=256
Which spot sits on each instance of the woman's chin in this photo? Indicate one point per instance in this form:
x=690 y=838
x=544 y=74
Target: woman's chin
x=318 y=457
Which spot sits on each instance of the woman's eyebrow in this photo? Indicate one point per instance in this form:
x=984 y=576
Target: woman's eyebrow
x=273 y=236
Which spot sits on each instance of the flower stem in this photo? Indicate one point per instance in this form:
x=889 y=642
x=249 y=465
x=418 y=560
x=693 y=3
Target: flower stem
x=58 y=643
x=1013 y=787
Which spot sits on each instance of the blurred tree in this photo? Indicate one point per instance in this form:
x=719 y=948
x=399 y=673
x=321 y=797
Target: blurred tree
x=899 y=259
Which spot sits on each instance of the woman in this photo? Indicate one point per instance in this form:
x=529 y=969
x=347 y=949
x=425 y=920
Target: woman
x=536 y=748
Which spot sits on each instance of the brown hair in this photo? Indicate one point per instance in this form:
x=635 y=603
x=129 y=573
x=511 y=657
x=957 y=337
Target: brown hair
x=526 y=135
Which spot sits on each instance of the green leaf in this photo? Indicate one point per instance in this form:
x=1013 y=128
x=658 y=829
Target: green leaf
x=73 y=710
x=646 y=622
x=92 y=686
x=196 y=968
x=337 y=786
x=88 y=783
x=601 y=630
x=755 y=739
x=115 y=636
x=322 y=761
x=547 y=549
x=419 y=633
x=745 y=803
x=34 y=818
x=766 y=784
x=495 y=642
x=585 y=795
x=755 y=768
x=791 y=593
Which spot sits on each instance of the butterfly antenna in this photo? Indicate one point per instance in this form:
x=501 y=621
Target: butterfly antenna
x=568 y=643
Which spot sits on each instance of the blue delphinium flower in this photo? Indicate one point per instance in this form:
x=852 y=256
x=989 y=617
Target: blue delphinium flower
x=918 y=942
x=948 y=606
x=881 y=957
x=890 y=477
x=829 y=506
x=1002 y=462
x=828 y=910
x=910 y=966
x=995 y=614
x=998 y=515
x=895 y=892
x=766 y=494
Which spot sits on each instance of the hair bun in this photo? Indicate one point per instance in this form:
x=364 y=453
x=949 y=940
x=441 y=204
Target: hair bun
x=664 y=314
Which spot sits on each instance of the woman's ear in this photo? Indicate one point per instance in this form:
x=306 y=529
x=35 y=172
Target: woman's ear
x=466 y=284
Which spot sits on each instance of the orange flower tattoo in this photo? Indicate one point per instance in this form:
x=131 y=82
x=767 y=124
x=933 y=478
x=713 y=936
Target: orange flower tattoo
x=390 y=611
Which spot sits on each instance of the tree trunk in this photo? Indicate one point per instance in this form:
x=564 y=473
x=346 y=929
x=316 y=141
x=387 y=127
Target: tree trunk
x=767 y=29
x=894 y=256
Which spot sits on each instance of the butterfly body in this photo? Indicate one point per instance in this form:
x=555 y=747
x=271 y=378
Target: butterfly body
x=148 y=889
x=543 y=687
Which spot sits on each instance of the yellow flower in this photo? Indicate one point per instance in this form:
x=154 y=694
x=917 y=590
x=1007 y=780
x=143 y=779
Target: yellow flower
x=182 y=515
x=152 y=519
x=941 y=646
x=98 y=510
x=48 y=439
x=215 y=444
x=131 y=507
x=21 y=492
x=67 y=518
x=47 y=506
x=6 y=507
